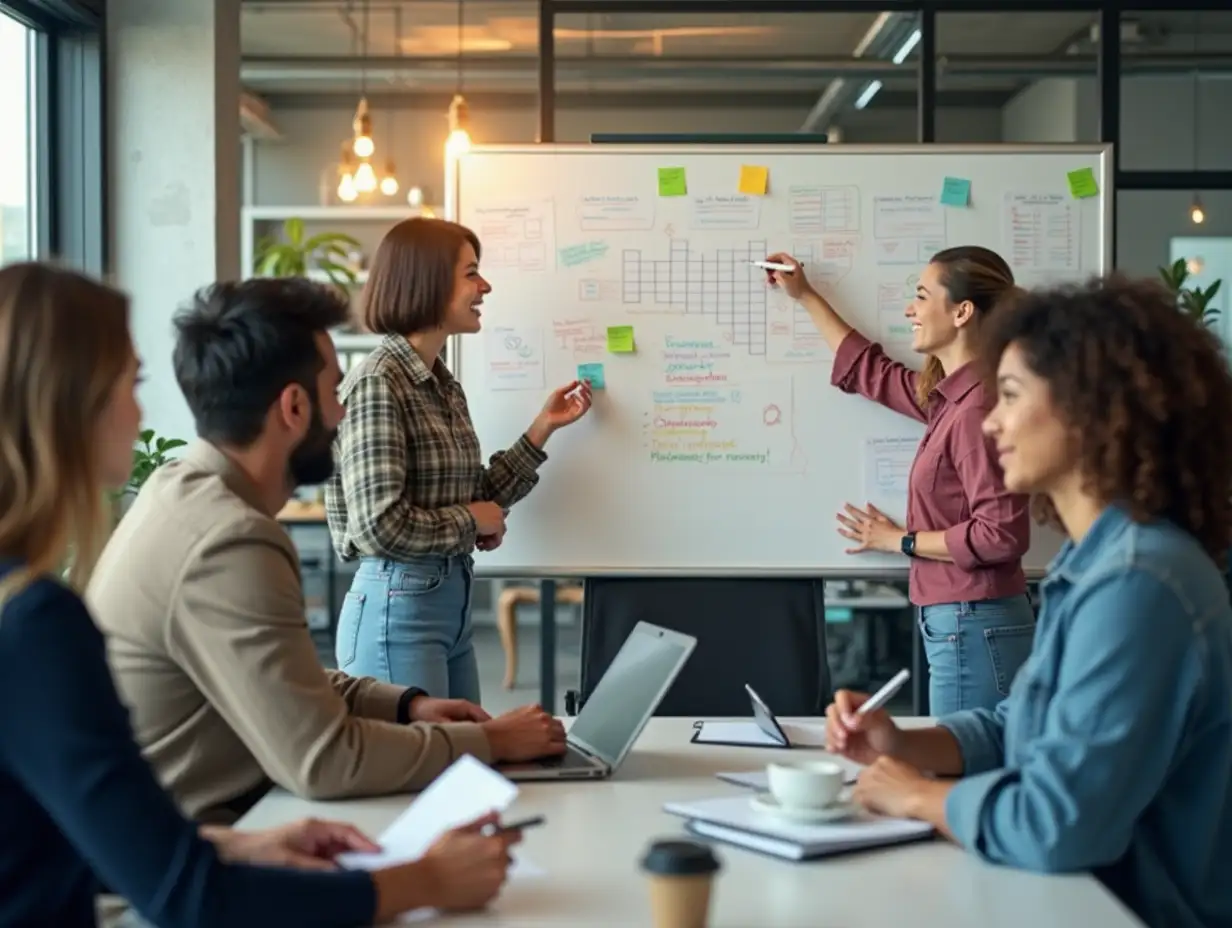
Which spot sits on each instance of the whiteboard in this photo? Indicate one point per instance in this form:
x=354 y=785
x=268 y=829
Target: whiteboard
x=717 y=446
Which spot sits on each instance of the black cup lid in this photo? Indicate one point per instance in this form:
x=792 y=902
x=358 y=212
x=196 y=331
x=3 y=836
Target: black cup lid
x=679 y=858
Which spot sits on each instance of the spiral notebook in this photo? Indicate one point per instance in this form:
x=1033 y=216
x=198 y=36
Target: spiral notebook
x=733 y=819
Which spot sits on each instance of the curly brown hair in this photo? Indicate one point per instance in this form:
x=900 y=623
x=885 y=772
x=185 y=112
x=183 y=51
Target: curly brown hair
x=1147 y=389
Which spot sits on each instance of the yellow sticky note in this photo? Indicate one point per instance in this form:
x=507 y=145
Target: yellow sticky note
x=671 y=182
x=1082 y=183
x=753 y=179
x=620 y=339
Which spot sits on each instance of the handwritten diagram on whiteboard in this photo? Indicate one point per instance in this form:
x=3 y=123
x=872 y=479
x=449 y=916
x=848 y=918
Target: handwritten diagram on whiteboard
x=716 y=438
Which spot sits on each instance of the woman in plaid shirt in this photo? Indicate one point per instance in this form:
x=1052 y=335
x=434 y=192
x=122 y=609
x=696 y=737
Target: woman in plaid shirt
x=411 y=498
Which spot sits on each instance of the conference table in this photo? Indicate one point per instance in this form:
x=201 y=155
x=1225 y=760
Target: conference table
x=596 y=832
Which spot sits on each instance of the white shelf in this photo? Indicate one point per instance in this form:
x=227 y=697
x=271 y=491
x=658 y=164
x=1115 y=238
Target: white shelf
x=355 y=341
x=315 y=273
x=329 y=213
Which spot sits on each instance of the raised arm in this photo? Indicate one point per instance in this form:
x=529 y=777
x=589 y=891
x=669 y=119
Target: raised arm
x=373 y=457
x=71 y=748
x=860 y=366
x=1125 y=685
x=512 y=474
x=246 y=646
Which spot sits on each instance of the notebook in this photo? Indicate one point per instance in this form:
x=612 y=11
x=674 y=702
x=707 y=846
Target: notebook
x=732 y=819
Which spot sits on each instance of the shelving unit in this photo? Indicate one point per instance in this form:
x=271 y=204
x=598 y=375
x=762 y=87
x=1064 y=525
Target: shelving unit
x=367 y=224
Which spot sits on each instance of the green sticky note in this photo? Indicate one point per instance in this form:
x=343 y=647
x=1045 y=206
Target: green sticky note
x=671 y=182
x=620 y=339
x=955 y=191
x=592 y=374
x=1082 y=183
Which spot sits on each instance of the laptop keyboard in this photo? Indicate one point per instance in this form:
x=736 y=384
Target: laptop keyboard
x=571 y=758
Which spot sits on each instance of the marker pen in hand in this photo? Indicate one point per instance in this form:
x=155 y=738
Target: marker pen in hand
x=886 y=693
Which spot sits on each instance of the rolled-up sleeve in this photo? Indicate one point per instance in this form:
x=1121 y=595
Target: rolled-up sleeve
x=1124 y=689
x=512 y=474
x=998 y=530
x=980 y=734
x=861 y=366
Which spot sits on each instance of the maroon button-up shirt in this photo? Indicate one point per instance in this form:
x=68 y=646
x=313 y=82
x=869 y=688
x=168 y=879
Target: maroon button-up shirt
x=956 y=485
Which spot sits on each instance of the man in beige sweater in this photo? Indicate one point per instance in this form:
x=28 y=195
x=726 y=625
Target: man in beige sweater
x=199 y=592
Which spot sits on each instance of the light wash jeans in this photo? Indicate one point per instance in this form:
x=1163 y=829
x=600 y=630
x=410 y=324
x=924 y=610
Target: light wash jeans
x=974 y=650
x=409 y=623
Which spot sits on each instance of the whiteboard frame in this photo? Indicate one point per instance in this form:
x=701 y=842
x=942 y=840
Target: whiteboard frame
x=456 y=354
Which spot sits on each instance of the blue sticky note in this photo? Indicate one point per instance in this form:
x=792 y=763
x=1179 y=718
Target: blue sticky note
x=956 y=191
x=592 y=373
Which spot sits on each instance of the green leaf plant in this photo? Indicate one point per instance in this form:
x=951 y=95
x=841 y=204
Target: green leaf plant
x=293 y=255
x=1193 y=301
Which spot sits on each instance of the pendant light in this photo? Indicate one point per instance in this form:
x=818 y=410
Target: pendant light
x=389 y=177
x=361 y=125
x=1197 y=215
x=459 y=141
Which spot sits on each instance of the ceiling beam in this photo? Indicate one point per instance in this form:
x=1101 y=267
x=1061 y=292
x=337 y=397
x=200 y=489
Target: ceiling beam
x=485 y=102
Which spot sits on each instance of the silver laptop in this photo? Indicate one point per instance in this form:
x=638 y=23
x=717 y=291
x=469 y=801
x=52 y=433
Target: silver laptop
x=628 y=694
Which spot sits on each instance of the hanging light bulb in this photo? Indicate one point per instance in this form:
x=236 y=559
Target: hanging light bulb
x=347 y=191
x=1197 y=215
x=361 y=125
x=389 y=180
x=459 y=141
x=346 y=174
x=414 y=197
x=365 y=177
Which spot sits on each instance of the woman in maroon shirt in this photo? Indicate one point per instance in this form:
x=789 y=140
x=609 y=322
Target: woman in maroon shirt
x=965 y=535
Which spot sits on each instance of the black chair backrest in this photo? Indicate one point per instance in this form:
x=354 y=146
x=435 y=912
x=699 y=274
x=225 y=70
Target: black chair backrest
x=770 y=634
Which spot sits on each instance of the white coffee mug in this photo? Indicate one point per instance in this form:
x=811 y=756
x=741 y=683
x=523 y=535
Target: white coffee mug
x=809 y=785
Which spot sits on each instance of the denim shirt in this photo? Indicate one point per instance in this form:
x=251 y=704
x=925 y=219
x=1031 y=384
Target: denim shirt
x=1113 y=751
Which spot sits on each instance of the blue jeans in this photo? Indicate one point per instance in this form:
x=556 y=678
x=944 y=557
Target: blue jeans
x=409 y=623
x=974 y=650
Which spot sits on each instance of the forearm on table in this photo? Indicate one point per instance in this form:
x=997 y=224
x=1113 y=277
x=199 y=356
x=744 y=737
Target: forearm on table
x=829 y=323
x=932 y=750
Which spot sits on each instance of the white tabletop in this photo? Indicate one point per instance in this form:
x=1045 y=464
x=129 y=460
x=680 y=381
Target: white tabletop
x=596 y=832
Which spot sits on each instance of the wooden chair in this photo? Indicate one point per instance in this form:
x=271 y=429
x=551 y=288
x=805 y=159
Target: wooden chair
x=507 y=619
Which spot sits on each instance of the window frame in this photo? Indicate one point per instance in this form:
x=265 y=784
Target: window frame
x=68 y=217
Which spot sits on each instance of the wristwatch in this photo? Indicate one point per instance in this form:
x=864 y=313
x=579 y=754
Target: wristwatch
x=908 y=544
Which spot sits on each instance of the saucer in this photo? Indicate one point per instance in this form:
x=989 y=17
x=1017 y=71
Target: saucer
x=841 y=809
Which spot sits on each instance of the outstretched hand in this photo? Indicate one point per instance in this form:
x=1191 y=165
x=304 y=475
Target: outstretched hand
x=870 y=528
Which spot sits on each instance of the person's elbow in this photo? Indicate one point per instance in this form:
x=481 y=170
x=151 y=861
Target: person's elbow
x=1048 y=832
x=981 y=543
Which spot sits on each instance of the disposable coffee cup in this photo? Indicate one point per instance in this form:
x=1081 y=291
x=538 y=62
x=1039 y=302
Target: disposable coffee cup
x=681 y=875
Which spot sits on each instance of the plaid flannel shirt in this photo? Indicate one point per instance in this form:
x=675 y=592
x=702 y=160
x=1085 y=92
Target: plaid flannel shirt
x=409 y=462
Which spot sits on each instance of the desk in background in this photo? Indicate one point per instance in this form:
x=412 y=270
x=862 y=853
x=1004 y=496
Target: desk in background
x=596 y=832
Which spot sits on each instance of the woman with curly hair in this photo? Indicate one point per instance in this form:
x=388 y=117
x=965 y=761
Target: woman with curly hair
x=1113 y=751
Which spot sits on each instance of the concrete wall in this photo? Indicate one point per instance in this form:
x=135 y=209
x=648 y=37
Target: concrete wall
x=1158 y=116
x=299 y=168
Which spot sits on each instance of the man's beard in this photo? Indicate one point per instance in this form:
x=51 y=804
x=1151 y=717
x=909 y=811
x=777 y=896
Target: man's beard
x=312 y=462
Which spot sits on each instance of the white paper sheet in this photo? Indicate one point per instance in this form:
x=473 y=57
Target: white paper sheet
x=747 y=733
x=466 y=791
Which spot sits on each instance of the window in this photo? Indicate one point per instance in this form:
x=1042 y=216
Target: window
x=17 y=201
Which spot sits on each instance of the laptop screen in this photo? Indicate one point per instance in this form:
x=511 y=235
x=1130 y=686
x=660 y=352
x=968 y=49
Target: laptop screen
x=630 y=690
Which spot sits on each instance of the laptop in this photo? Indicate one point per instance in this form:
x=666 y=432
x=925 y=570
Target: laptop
x=627 y=695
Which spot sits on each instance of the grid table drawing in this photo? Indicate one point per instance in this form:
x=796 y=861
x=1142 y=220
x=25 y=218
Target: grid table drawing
x=722 y=285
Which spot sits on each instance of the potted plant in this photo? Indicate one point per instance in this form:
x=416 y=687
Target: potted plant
x=1193 y=301
x=150 y=453
x=293 y=255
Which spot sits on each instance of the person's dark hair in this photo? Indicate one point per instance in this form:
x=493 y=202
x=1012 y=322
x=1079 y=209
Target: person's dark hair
x=412 y=276
x=1147 y=391
x=240 y=344
x=968 y=272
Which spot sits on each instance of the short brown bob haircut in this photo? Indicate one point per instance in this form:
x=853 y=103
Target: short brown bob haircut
x=412 y=276
x=1145 y=388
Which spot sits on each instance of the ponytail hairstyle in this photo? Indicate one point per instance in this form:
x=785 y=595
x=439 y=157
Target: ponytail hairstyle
x=968 y=273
